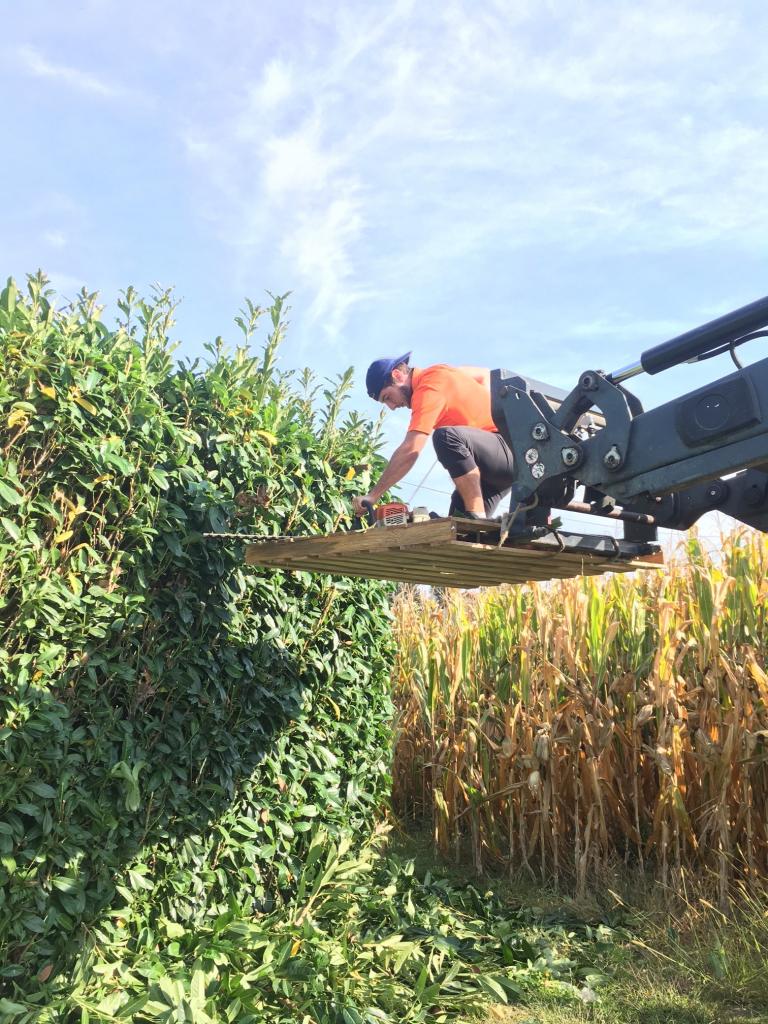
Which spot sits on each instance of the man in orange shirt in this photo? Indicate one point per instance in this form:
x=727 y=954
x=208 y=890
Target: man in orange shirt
x=453 y=403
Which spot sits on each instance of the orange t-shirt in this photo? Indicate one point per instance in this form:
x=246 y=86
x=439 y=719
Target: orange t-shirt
x=444 y=396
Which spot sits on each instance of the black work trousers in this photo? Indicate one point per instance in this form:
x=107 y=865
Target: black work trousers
x=461 y=449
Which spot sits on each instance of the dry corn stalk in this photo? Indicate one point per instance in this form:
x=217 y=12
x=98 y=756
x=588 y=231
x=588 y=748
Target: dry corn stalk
x=558 y=726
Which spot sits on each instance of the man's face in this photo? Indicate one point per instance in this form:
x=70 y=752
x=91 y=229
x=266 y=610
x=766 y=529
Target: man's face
x=397 y=395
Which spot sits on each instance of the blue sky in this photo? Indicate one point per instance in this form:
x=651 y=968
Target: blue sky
x=544 y=186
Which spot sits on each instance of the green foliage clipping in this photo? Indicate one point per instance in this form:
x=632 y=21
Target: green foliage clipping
x=172 y=727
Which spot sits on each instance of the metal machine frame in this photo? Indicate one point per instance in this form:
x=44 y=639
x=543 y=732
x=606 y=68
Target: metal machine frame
x=663 y=466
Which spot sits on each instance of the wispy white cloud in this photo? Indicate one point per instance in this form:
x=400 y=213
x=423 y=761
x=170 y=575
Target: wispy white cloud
x=37 y=64
x=319 y=247
x=67 y=286
x=378 y=150
x=276 y=85
x=56 y=239
x=298 y=164
x=549 y=185
x=301 y=191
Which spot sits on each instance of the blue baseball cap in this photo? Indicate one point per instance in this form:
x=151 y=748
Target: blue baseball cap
x=379 y=374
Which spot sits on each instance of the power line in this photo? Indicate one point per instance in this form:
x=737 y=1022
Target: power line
x=434 y=490
x=419 y=486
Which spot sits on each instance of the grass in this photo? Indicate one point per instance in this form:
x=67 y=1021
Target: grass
x=644 y=1007
x=672 y=961
x=657 y=957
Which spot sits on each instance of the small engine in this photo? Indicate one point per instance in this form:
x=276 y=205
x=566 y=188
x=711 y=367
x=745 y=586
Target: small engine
x=392 y=513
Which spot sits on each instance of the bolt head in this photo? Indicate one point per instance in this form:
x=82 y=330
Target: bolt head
x=531 y=456
x=570 y=456
x=540 y=432
x=753 y=495
x=538 y=471
x=612 y=458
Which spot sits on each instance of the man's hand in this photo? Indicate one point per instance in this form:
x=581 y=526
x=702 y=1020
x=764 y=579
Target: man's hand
x=401 y=462
x=357 y=505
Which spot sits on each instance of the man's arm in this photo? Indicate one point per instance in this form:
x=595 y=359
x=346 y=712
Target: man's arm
x=402 y=461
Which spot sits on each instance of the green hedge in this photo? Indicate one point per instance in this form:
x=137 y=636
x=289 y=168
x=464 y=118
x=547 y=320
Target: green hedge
x=172 y=725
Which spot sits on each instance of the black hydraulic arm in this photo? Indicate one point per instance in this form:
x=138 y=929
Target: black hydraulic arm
x=636 y=457
x=702 y=342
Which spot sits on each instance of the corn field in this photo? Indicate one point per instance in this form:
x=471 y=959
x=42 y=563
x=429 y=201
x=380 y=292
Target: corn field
x=559 y=728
